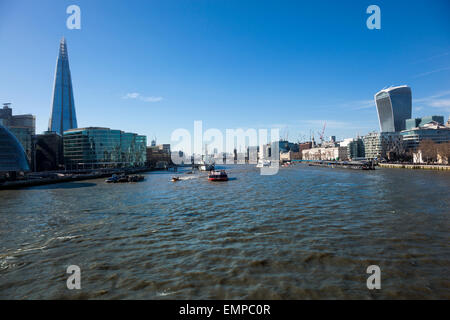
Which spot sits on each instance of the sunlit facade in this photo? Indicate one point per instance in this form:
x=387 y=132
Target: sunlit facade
x=394 y=107
x=379 y=145
x=63 y=115
x=433 y=131
x=103 y=148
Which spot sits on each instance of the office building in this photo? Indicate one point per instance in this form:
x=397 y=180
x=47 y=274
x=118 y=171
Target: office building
x=22 y=126
x=394 y=107
x=433 y=131
x=420 y=122
x=49 y=153
x=384 y=145
x=94 y=147
x=12 y=154
x=63 y=116
x=355 y=148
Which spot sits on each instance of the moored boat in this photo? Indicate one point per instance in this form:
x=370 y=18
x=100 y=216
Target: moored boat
x=112 y=179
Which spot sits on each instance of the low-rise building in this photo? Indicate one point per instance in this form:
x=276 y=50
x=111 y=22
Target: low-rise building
x=94 y=147
x=158 y=156
x=333 y=153
x=290 y=155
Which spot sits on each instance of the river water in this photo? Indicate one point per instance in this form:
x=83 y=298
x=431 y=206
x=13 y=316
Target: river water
x=305 y=233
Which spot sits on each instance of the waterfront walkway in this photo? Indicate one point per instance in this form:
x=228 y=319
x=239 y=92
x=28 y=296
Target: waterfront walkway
x=415 y=166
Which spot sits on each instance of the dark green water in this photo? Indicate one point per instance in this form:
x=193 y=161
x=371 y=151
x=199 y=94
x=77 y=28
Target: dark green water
x=305 y=233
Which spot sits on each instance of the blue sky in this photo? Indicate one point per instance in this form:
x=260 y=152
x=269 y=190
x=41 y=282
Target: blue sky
x=154 y=66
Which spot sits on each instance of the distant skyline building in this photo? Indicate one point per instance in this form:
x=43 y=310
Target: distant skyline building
x=420 y=122
x=63 y=115
x=394 y=107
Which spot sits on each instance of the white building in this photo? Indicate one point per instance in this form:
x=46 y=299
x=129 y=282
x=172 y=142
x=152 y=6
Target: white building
x=335 y=153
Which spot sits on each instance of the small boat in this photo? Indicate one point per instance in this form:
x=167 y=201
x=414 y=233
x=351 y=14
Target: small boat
x=263 y=163
x=175 y=179
x=112 y=179
x=218 y=175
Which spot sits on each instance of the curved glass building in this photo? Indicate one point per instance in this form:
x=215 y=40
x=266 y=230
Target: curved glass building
x=394 y=107
x=12 y=155
x=63 y=107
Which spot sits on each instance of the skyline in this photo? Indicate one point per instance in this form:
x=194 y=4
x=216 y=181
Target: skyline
x=162 y=66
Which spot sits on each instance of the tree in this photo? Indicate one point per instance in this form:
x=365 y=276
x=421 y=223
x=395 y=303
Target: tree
x=443 y=150
x=429 y=150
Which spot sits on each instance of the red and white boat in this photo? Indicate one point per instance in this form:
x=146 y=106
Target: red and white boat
x=218 y=175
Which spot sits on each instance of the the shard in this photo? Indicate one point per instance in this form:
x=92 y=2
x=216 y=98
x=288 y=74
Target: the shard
x=63 y=106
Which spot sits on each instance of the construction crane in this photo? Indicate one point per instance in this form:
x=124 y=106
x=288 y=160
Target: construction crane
x=321 y=134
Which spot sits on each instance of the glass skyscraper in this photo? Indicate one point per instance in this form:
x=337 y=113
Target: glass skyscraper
x=394 y=106
x=63 y=107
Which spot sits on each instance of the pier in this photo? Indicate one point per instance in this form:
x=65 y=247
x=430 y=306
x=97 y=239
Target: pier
x=356 y=165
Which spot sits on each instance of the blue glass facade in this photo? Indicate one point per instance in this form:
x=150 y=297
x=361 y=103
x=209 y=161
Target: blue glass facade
x=63 y=107
x=419 y=122
x=12 y=154
x=103 y=148
x=394 y=106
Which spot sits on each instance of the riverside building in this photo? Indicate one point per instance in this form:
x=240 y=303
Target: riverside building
x=48 y=154
x=158 y=156
x=23 y=127
x=93 y=147
x=355 y=148
x=12 y=154
x=383 y=145
x=332 y=153
x=433 y=131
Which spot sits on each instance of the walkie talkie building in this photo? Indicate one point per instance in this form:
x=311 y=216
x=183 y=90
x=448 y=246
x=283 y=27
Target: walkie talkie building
x=63 y=106
x=394 y=106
